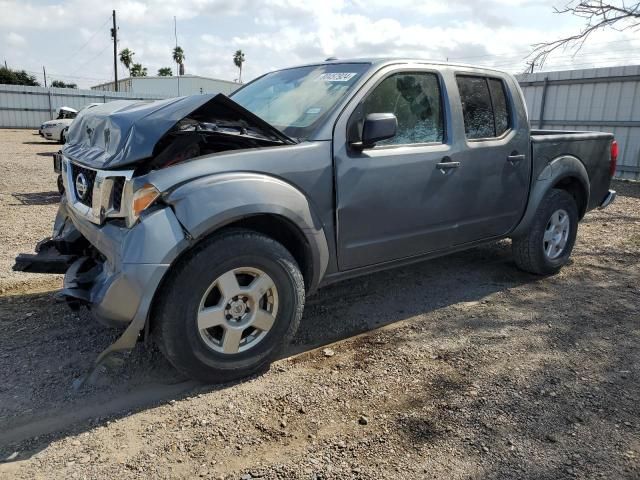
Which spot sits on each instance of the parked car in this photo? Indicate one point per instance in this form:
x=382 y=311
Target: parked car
x=57 y=157
x=205 y=221
x=56 y=129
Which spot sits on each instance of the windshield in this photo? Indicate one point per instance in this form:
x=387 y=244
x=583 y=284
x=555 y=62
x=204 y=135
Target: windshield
x=296 y=100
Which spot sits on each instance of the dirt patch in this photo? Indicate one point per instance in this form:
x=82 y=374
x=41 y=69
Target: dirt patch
x=462 y=367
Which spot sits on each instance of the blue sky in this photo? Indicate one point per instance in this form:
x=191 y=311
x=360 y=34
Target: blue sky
x=71 y=38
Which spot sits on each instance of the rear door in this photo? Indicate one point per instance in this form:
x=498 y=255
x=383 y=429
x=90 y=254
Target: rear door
x=495 y=167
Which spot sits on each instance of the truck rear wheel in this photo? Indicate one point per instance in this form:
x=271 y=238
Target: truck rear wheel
x=548 y=244
x=229 y=308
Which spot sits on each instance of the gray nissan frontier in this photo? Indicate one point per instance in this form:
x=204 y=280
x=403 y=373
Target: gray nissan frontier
x=203 y=222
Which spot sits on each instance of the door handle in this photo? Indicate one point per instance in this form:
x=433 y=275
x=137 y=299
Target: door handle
x=445 y=166
x=515 y=158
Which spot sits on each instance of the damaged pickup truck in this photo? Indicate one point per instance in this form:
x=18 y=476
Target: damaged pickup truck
x=202 y=222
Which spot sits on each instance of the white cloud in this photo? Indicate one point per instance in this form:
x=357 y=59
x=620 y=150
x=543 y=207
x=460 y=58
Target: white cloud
x=15 y=40
x=73 y=35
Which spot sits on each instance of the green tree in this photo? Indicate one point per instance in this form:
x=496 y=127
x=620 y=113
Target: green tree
x=137 y=70
x=17 y=77
x=126 y=58
x=165 y=72
x=61 y=84
x=178 y=57
x=238 y=60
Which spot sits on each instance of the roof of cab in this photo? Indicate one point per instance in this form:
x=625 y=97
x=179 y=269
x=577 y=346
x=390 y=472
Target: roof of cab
x=384 y=61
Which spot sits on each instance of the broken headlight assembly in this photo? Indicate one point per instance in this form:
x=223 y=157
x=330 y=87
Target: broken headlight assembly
x=137 y=200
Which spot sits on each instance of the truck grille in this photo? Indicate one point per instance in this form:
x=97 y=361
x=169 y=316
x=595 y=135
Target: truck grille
x=89 y=175
x=118 y=188
x=95 y=195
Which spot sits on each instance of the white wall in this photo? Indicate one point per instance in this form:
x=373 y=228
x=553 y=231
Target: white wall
x=28 y=107
x=172 y=86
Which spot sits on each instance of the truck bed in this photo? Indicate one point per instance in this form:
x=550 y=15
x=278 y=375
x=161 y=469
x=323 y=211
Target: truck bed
x=593 y=149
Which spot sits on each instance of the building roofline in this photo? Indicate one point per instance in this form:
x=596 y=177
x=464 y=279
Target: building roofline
x=172 y=76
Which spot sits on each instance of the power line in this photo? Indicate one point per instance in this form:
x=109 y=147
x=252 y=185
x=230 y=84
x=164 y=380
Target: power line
x=88 y=41
x=92 y=58
x=53 y=74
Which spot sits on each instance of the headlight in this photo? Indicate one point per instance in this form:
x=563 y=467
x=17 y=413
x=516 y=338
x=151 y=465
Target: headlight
x=138 y=201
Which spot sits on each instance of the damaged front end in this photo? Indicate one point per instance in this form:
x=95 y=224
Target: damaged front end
x=113 y=238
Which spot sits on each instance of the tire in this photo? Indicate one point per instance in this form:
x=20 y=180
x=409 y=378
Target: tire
x=63 y=138
x=548 y=244
x=197 y=285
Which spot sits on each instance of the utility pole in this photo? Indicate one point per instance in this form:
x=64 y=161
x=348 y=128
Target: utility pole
x=114 y=35
x=531 y=66
x=175 y=34
x=44 y=74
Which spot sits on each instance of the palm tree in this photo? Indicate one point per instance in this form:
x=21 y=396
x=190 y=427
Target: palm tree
x=178 y=57
x=165 y=72
x=137 y=70
x=238 y=60
x=126 y=57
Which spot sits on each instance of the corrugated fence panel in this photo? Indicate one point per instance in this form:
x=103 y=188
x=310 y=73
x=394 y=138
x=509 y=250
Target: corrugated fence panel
x=597 y=99
x=28 y=107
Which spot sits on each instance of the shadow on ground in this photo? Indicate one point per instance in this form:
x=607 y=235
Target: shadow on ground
x=42 y=142
x=37 y=198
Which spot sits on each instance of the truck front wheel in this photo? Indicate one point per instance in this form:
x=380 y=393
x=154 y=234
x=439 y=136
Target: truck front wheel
x=229 y=308
x=547 y=246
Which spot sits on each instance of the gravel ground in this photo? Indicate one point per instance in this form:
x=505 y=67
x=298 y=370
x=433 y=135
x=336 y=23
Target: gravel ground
x=28 y=200
x=462 y=367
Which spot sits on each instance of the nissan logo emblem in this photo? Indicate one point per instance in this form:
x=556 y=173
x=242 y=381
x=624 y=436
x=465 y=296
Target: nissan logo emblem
x=82 y=186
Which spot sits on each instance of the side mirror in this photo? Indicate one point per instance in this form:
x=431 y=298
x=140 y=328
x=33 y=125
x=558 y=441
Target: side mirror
x=377 y=127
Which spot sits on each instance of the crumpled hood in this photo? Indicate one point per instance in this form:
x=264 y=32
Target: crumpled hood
x=125 y=132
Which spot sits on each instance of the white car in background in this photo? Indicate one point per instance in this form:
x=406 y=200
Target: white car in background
x=55 y=129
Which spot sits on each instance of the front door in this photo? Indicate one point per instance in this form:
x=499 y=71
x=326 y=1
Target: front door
x=393 y=200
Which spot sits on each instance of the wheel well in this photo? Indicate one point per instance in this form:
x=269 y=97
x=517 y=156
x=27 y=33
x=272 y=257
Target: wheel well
x=274 y=226
x=284 y=232
x=574 y=187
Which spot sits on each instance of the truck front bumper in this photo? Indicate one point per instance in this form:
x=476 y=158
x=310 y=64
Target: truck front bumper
x=608 y=199
x=113 y=270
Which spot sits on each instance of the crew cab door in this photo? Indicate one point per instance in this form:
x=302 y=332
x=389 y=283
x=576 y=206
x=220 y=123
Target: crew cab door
x=495 y=163
x=393 y=200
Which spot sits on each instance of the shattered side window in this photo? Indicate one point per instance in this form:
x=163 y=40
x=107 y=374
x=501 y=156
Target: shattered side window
x=500 y=105
x=415 y=99
x=476 y=107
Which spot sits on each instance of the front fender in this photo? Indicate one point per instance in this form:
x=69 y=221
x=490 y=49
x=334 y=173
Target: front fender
x=557 y=170
x=211 y=202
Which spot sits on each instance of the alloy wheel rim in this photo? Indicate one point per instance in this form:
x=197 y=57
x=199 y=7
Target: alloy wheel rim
x=238 y=310
x=556 y=234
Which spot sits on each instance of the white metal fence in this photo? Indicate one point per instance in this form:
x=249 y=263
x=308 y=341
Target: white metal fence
x=28 y=107
x=601 y=99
